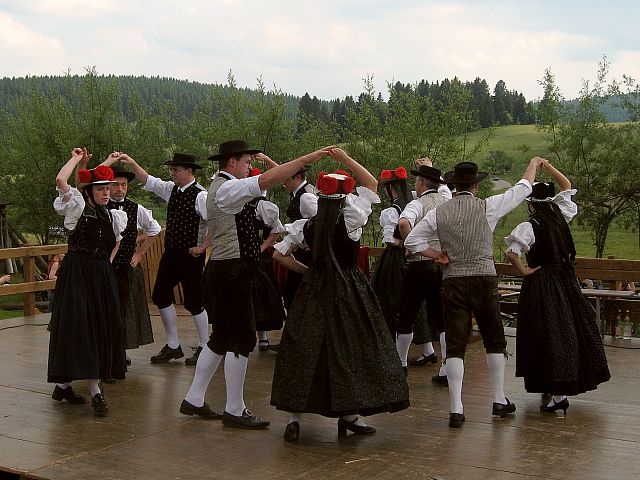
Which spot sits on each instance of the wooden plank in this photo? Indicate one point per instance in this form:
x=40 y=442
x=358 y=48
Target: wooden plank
x=27 y=287
x=29 y=275
x=32 y=251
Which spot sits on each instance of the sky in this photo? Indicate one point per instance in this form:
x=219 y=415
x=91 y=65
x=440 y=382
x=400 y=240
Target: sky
x=325 y=48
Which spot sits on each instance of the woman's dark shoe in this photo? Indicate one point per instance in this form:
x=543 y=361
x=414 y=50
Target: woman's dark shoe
x=343 y=426
x=561 y=405
x=292 y=432
x=263 y=345
x=502 y=410
x=422 y=360
x=456 y=420
x=99 y=404
x=67 y=394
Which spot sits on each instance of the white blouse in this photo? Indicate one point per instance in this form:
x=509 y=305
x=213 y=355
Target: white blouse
x=73 y=208
x=389 y=218
x=522 y=237
x=356 y=213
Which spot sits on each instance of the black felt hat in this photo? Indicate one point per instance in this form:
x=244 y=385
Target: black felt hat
x=428 y=172
x=233 y=148
x=120 y=171
x=465 y=173
x=183 y=160
x=542 y=192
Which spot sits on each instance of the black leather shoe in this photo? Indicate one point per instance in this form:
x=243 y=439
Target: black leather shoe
x=292 y=432
x=343 y=426
x=167 y=354
x=456 y=420
x=193 y=359
x=67 y=394
x=204 y=411
x=99 y=404
x=422 y=360
x=440 y=380
x=263 y=345
x=561 y=405
x=502 y=410
x=247 y=420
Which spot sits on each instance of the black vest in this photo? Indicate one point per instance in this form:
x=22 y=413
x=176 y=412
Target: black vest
x=293 y=211
x=127 y=246
x=554 y=242
x=183 y=221
x=248 y=228
x=93 y=234
x=345 y=249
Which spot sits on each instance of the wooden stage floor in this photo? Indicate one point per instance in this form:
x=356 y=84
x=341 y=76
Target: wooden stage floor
x=145 y=437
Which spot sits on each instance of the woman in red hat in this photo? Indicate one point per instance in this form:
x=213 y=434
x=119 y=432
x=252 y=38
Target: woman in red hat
x=86 y=339
x=336 y=357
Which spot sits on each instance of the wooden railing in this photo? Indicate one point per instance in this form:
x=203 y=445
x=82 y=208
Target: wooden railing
x=30 y=285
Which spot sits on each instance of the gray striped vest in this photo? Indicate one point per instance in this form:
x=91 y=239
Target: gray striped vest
x=466 y=237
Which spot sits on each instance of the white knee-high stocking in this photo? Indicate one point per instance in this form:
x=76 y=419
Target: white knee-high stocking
x=170 y=321
x=496 y=363
x=205 y=368
x=201 y=321
x=455 y=374
x=235 y=369
x=402 y=346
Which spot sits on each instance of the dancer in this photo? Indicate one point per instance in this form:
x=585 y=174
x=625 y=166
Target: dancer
x=126 y=264
x=464 y=226
x=422 y=278
x=186 y=228
x=87 y=335
x=336 y=357
x=559 y=345
x=235 y=254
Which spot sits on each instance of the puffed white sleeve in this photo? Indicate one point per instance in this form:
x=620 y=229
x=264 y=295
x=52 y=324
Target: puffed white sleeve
x=269 y=213
x=147 y=223
x=521 y=239
x=567 y=206
x=294 y=238
x=357 y=210
x=119 y=222
x=308 y=205
x=389 y=221
x=71 y=209
x=201 y=205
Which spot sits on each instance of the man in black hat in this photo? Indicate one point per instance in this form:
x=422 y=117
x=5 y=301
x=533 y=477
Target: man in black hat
x=133 y=302
x=464 y=226
x=422 y=277
x=235 y=253
x=303 y=204
x=186 y=227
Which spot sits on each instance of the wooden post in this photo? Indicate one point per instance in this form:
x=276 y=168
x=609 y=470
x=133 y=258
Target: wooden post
x=29 y=273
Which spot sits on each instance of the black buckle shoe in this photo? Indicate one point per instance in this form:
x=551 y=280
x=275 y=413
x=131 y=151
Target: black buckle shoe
x=422 y=360
x=440 y=380
x=343 y=426
x=456 y=420
x=292 y=432
x=501 y=410
x=167 y=353
x=67 y=394
x=247 y=420
x=561 y=405
x=193 y=359
x=204 y=411
x=99 y=404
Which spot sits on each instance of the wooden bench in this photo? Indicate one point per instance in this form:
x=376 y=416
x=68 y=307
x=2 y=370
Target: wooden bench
x=606 y=302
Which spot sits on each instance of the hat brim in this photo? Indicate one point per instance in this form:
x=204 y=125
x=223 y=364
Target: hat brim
x=182 y=164
x=333 y=196
x=99 y=182
x=450 y=177
x=130 y=176
x=539 y=200
x=224 y=156
x=416 y=173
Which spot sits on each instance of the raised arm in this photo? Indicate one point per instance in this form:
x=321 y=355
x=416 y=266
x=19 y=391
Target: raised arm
x=267 y=161
x=530 y=172
x=563 y=182
x=111 y=159
x=138 y=171
x=279 y=173
x=360 y=173
x=62 y=179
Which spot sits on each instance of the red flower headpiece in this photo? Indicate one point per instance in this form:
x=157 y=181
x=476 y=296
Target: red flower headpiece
x=99 y=175
x=254 y=171
x=335 y=185
x=399 y=173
